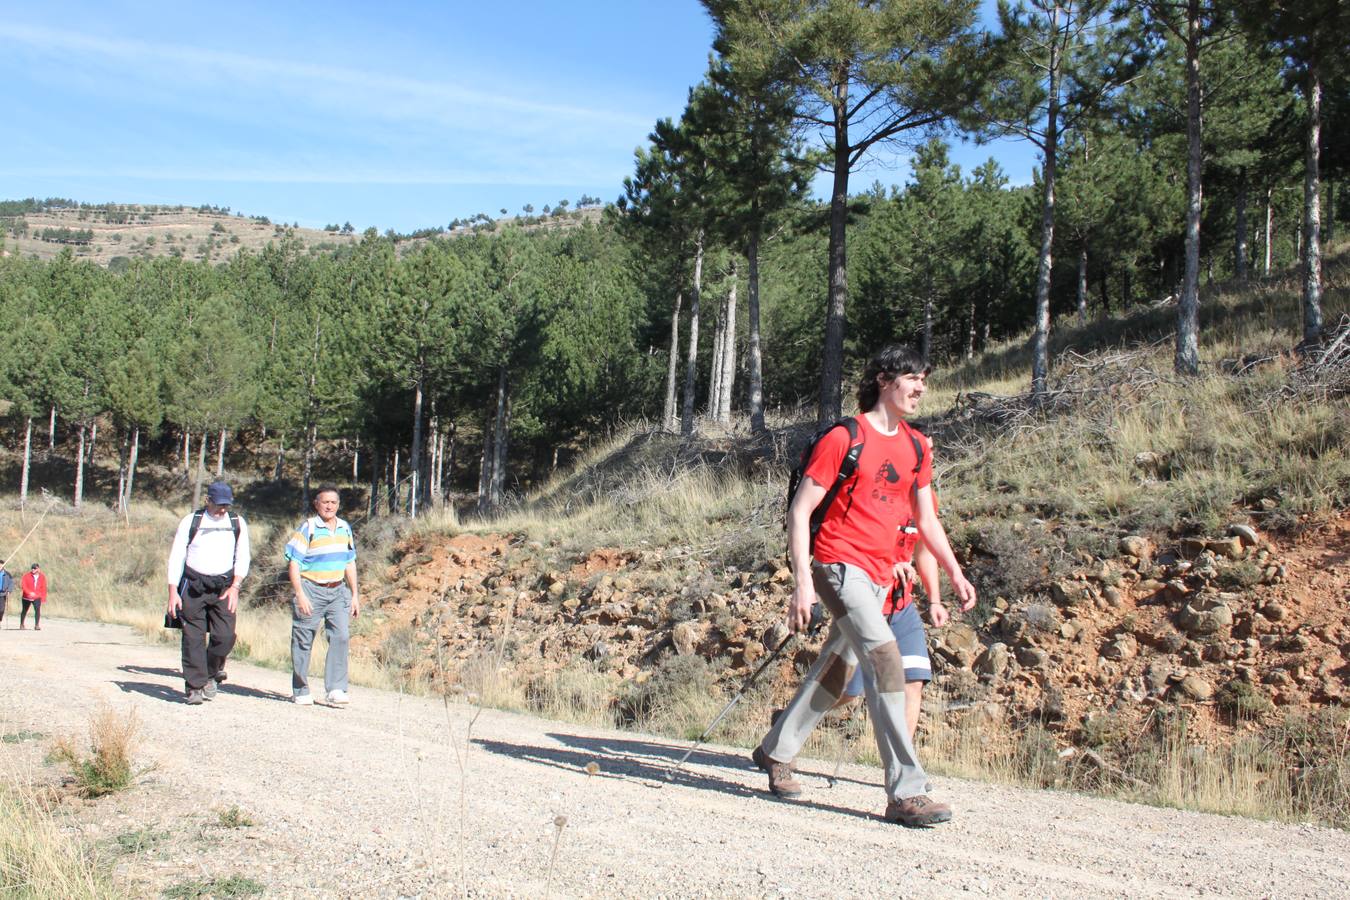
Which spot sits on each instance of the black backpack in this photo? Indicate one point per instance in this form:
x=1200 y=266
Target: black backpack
x=197 y=524
x=848 y=469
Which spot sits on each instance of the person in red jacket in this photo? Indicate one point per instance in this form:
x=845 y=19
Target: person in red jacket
x=34 y=589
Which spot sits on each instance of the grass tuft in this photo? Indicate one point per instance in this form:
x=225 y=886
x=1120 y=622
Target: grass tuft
x=108 y=769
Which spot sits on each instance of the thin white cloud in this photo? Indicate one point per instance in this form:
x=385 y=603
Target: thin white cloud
x=384 y=95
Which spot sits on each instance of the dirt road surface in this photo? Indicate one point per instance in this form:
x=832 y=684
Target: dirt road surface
x=398 y=796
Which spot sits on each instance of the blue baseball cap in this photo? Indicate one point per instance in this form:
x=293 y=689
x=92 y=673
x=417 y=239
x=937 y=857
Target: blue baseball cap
x=219 y=493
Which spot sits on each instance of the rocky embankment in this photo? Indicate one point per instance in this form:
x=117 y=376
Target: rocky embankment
x=1237 y=626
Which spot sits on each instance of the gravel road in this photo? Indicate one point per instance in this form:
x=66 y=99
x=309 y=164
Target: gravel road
x=400 y=796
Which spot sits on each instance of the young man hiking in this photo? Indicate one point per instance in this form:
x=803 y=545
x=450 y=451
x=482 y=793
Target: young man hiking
x=853 y=569
x=208 y=560
x=321 y=564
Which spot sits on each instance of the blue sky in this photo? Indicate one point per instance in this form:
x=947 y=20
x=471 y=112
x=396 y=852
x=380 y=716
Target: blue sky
x=401 y=114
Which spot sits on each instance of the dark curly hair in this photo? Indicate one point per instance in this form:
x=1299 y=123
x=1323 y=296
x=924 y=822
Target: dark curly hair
x=891 y=361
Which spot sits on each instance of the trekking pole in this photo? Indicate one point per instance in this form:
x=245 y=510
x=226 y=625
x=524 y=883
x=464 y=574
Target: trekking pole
x=51 y=501
x=843 y=751
x=812 y=627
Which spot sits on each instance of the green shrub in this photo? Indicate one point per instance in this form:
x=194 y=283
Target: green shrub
x=1242 y=700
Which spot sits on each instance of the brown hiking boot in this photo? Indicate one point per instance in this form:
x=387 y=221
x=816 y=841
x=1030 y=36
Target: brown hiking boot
x=917 y=812
x=781 y=780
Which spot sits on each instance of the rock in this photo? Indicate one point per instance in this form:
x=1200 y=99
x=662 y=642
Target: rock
x=1052 y=705
x=1124 y=647
x=1157 y=677
x=988 y=715
x=1001 y=604
x=684 y=636
x=961 y=638
x=1032 y=657
x=1278 y=677
x=557 y=588
x=1230 y=548
x=1148 y=587
x=1193 y=687
x=571 y=603
x=752 y=651
x=1112 y=596
x=1069 y=593
x=1273 y=611
x=993 y=662
x=1192 y=547
x=783 y=575
x=775 y=634
x=1150 y=463
x=1201 y=616
x=1245 y=533
x=599 y=650
x=1068 y=631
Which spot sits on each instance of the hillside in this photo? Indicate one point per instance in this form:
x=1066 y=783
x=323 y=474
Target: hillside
x=134 y=231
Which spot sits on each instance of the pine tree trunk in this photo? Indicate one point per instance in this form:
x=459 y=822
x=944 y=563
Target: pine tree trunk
x=756 y=397
x=51 y=430
x=281 y=456
x=501 y=435
x=395 y=490
x=691 y=363
x=93 y=441
x=1240 y=227
x=1331 y=211
x=448 y=468
x=726 y=385
x=1040 y=340
x=1312 y=215
x=715 y=365
x=131 y=463
x=669 y=414
x=79 y=467
x=356 y=461
x=201 y=468
x=926 y=337
x=485 y=464
x=1270 y=223
x=187 y=452
x=970 y=331
x=1082 y=284
x=311 y=443
x=220 y=455
x=27 y=461
x=373 y=501
x=415 y=458
x=832 y=354
x=122 y=473
x=1188 y=309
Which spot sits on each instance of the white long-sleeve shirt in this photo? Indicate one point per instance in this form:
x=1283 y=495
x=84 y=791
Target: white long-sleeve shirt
x=212 y=551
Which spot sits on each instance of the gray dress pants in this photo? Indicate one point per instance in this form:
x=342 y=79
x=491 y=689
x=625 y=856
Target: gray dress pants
x=331 y=606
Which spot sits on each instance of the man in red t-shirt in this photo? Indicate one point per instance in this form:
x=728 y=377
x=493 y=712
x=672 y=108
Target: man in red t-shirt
x=853 y=569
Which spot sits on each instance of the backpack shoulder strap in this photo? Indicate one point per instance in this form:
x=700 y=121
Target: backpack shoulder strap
x=195 y=526
x=848 y=469
x=234 y=526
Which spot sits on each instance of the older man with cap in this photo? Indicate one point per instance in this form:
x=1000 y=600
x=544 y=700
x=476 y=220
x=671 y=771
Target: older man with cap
x=207 y=562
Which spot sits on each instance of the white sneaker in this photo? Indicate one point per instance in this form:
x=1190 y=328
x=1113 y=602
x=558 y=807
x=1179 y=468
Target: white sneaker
x=303 y=699
x=338 y=698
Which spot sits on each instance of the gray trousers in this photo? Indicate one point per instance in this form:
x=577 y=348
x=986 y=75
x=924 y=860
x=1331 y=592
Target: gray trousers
x=333 y=607
x=858 y=635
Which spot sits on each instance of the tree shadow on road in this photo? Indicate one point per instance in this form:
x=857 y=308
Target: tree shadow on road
x=648 y=763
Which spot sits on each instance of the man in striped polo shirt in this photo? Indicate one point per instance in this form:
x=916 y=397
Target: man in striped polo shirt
x=321 y=559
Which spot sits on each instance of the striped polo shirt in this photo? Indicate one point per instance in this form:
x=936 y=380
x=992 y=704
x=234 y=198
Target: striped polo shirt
x=322 y=553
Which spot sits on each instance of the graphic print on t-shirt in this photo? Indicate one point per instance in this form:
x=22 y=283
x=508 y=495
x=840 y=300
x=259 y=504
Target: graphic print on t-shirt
x=885 y=485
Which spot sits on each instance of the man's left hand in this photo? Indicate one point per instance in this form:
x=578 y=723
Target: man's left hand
x=965 y=590
x=938 y=613
x=231 y=598
x=356 y=605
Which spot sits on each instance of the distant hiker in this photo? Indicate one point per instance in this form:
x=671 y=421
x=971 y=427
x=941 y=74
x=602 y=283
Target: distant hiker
x=6 y=585
x=853 y=569
x=321 y=559
x=208 y=561
x=33 y=587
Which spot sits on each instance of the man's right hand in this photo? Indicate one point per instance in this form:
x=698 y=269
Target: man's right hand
x=799 y=608
x=175 y=602
x=302 y=605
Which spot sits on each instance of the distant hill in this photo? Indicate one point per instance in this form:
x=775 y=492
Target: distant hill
x=111 y=232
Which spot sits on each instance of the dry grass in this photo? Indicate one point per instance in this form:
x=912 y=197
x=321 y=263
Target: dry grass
x=112 y=738
x=38 y=859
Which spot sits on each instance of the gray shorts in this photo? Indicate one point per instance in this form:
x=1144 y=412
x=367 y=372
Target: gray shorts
x=913 y=643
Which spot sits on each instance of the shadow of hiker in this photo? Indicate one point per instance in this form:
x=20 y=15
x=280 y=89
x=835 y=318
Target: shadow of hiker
x=226 y=687
x=626 y=747
x=650 y=763
x=155 y=691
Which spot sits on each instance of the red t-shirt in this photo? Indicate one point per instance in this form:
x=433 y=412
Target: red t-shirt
x=860 y=526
